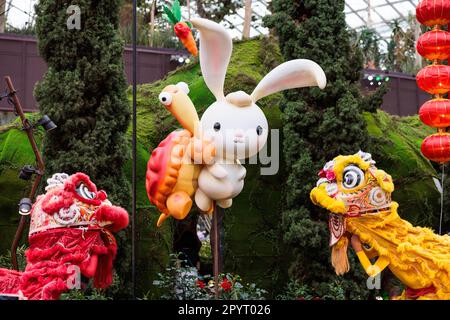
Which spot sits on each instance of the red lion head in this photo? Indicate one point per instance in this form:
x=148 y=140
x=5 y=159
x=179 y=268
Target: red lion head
x=70 y=236
x=74 y=201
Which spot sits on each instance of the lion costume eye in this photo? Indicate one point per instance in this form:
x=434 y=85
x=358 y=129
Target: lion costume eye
x=84 y=192
x=353 y=177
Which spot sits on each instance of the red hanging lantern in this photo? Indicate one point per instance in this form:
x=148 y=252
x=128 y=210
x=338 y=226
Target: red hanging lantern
x=434 y=45
x=436 y=113
x=437 y=147
x=433 y=12
x=434 y=79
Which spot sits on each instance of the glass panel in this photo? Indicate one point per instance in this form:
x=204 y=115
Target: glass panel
x=405 y=8
x=388 y=13
x=356 y=4
x=376 y=3
x=354 y=21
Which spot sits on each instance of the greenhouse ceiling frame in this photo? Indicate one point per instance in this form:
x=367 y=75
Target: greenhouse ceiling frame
x=357 y=13
x=374 y=7
x=361 y=11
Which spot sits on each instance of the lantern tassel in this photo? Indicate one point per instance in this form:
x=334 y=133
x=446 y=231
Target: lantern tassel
x=442 y=199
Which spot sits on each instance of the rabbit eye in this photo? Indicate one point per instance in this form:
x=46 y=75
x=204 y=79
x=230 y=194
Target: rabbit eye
x=216 y=126
x=259 y=130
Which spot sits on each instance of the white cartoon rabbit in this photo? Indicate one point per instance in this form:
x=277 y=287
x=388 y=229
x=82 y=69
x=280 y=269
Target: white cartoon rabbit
x=235 y=124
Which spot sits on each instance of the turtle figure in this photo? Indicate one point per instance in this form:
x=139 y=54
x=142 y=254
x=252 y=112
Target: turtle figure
x=174 y=166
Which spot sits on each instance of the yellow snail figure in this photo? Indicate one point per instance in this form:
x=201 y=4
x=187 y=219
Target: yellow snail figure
x=174 y=166
x=358 y=196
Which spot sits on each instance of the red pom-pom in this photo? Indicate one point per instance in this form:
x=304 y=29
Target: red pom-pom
x=117 y=216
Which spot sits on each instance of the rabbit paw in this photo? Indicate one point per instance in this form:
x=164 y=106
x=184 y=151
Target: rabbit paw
x=202 y=151
x=225 y=203
x=218 y=171
x=203 y=202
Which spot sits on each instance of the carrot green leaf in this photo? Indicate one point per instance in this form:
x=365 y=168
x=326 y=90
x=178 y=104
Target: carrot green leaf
x=176 y=9
x=170 y=16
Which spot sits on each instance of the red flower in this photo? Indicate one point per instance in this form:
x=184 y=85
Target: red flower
x=200 y=284
x=226 y=285
x=329 y=174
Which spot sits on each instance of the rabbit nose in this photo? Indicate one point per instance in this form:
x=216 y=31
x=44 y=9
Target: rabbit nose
x=239 y=134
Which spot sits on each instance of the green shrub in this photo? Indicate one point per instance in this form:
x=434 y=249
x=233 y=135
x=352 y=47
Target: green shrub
x=298 y=291
x=181 y=282
x=5 y=260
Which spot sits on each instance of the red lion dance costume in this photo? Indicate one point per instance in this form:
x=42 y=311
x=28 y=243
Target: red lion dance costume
x=70 y=231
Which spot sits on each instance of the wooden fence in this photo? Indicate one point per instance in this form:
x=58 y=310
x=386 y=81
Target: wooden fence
x=19 y=58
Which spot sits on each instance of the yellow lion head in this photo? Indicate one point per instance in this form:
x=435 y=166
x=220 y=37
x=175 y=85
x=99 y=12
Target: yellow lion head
x=352 y=185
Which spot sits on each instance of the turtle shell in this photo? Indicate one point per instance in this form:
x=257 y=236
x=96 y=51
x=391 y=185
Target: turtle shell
x=164 y=166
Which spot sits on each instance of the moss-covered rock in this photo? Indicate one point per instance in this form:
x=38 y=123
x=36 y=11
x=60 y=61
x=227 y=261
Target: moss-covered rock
x=253 y=241
x=15 y=152
x=396 y=148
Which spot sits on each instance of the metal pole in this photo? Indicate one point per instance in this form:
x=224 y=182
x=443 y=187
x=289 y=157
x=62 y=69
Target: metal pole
x=217 y=247
x=188 y=4
x=2 y=15
x=134 y=153
x=369 y=14
x=28 y=128
x=417 y=32
x=247 y=19
x=152 y=22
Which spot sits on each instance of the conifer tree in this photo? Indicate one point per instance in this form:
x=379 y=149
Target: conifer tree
x=84 y=93
x=318 y=125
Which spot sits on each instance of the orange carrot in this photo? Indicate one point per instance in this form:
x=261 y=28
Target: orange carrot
x=184 y=33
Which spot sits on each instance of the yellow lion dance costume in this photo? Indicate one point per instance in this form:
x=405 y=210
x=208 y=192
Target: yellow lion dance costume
x=358 y=196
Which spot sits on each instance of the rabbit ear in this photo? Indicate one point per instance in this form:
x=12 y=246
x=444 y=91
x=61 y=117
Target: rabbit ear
x=291 y=74
x=215 y=52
